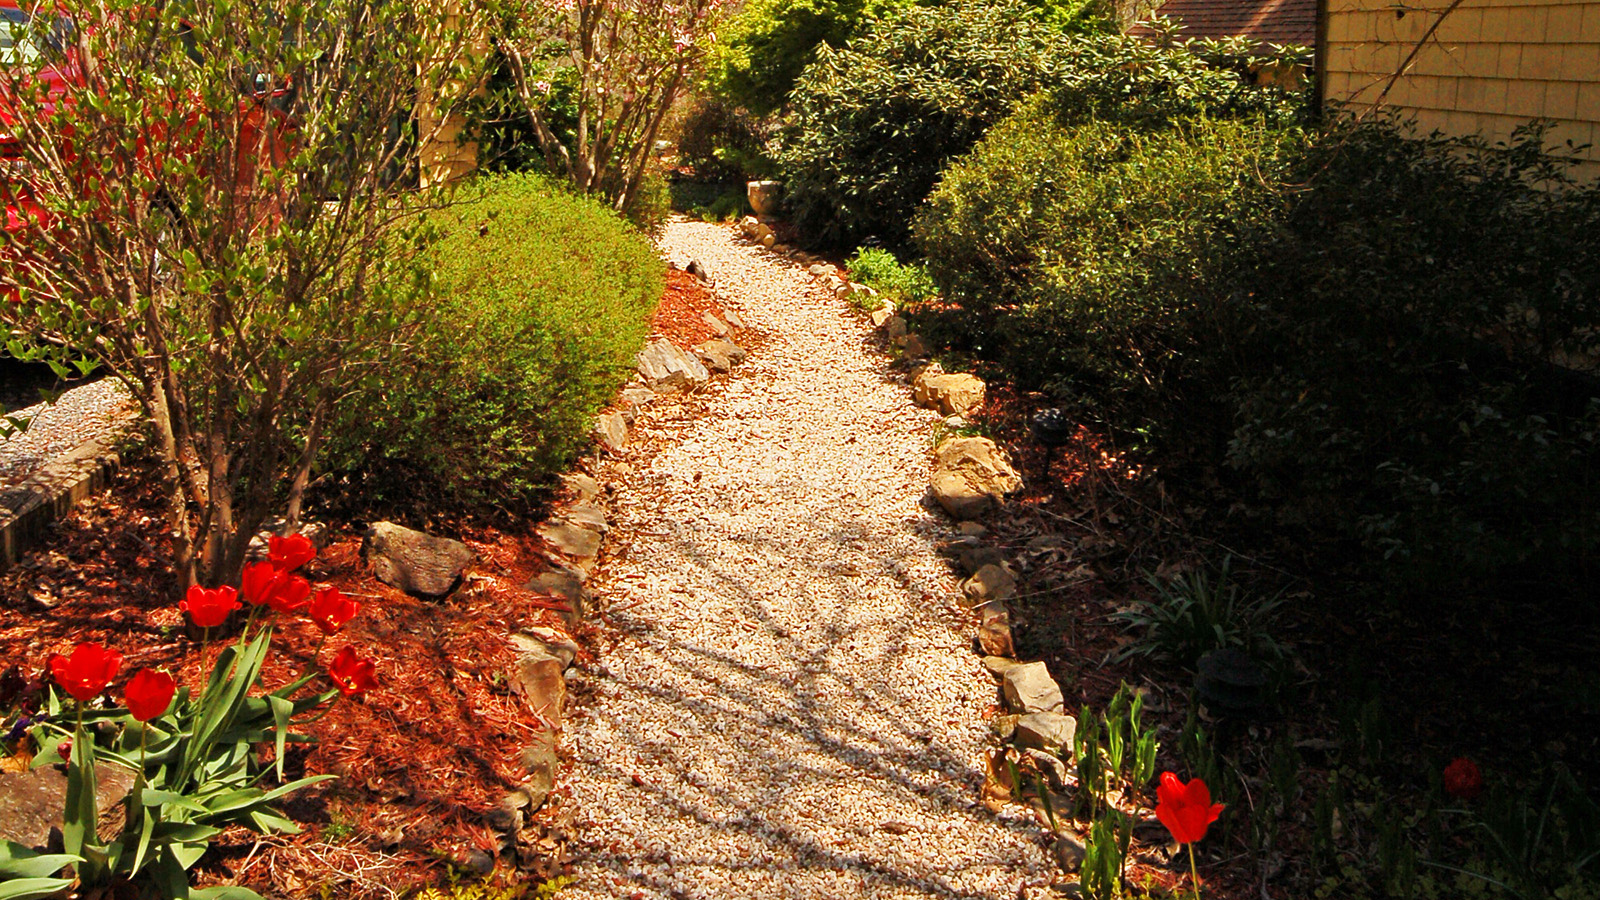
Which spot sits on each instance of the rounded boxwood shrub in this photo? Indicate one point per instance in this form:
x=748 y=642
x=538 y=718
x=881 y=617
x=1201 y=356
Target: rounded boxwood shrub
x=541 y=301
x=1092 y=260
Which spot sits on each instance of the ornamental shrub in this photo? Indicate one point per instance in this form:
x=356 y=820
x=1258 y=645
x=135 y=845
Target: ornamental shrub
x=874 y=123
x=1092 y=260
x=542 y=299
x=1420 y=374
x=768 y=43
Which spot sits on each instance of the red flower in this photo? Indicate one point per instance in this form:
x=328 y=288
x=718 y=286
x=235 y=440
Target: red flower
x=289 y=594
x=290 y=553
x=64 y=750
x=87 y=671
x=330 y=610
x=258 y=581
x=1186 y=809
x=149 y=693
x=209 y=608
x=1462 y=779
x=264 y=583
x=352 y=675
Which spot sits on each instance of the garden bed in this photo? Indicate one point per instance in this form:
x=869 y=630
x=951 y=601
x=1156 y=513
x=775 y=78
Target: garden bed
x=1365 y=712
x=422 y=761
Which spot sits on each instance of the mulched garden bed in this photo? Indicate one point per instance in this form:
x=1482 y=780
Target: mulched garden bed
x=421 y=761
x=1507 y=684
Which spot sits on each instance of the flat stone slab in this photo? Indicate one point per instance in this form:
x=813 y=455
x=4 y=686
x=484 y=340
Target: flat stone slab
x=32 y=804
x=666 y=368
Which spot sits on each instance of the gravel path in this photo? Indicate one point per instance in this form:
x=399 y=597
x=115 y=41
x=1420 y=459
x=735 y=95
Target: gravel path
x=792 y=709
x=77 y=417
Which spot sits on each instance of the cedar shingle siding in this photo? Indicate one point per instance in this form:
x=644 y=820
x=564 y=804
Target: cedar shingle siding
x=1491 y=66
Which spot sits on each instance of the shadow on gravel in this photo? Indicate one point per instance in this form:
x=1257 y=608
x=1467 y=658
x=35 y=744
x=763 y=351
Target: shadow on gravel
x=829 y=717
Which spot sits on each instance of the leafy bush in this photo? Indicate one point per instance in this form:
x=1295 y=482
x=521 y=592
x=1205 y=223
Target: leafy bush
x=721 y=143
x=900 y=282
x=1404 y=391
x=1091 y=259
x=769 y=42
x=873 y=124
x=541 y=302
x=243 y=261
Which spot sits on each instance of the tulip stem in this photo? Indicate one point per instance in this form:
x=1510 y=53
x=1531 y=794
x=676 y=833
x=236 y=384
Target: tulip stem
x=1194 y=872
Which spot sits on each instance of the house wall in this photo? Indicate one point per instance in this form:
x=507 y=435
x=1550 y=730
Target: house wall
x=1491 y=66
x=445 y=157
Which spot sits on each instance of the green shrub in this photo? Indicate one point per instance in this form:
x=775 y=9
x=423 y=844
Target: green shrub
x=721 y=143
x=1402 y=390
x=1091 y=260
x=542 y=299
x=768 y=43
x=873 y=124
x=900 y=282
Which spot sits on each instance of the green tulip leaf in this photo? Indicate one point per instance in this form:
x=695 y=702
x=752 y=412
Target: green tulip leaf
x=30 y=888
x=17 y=861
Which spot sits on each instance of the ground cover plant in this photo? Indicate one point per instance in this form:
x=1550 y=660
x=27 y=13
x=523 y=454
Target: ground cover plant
x=541 y=298
x=207 y=202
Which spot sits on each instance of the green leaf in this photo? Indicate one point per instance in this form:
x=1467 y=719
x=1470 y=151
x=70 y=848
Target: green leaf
x=81 y=815
x=281 y=711
x=17 y=861
x=29 y=888
x=170 y=798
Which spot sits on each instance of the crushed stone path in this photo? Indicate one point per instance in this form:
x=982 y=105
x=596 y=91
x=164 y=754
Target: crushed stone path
x=792 y=709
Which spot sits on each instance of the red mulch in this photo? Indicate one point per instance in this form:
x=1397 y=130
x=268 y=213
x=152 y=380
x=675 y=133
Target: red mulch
x=421 y=759
x=679 y=317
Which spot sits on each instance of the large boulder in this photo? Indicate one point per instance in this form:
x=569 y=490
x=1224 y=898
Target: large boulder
x=413 y=561
x=666 y=368
x=971 y=476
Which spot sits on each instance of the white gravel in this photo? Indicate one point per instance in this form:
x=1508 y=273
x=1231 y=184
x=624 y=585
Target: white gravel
x=793 y=709
x=78 y=416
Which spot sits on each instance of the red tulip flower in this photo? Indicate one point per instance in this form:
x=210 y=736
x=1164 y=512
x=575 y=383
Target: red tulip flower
x=1462 y=779
x=290 y=553
x=352 y=675
x=258 y=581
x=289 y=594
x=209 y=608
x=331 y=609
x=149 y=693
x=266 y=584
x=1186 y=809
x=87 y=671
